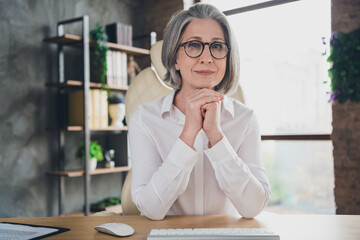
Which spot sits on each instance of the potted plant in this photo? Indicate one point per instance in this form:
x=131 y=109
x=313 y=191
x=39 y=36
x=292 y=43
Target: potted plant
x=96 y=153
x=104 y=204
x=99 y=63
x=116 y=109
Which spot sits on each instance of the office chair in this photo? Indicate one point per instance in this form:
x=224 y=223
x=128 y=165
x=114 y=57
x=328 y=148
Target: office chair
x=146 y=87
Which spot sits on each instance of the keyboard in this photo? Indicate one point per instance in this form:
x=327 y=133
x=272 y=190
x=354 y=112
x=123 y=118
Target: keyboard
x=212 y=233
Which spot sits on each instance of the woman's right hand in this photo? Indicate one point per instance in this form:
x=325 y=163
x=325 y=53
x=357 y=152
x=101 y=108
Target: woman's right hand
x=194 y=113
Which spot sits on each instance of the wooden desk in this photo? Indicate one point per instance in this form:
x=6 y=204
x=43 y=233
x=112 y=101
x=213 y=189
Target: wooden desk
x=329 y=227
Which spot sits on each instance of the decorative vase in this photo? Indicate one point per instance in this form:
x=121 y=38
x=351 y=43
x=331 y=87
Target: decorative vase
x=117 y=114
x=93 y=163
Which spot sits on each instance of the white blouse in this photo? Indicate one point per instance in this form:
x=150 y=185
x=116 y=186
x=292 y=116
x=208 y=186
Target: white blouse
x=171 y=178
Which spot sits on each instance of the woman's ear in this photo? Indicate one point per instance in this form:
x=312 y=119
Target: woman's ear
x=177 y=67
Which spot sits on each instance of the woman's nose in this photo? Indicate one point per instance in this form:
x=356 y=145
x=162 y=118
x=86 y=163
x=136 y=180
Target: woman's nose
x=206 y=57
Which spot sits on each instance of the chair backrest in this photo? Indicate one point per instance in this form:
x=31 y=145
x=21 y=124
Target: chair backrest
x=146 y=87
x=128 y=207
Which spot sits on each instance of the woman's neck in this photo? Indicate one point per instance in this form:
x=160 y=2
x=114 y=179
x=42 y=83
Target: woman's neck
x=179 y=100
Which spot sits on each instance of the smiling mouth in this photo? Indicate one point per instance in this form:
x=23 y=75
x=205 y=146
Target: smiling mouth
x=205 y=72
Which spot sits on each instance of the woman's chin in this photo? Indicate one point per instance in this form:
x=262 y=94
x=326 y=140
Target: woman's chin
x=207 y=86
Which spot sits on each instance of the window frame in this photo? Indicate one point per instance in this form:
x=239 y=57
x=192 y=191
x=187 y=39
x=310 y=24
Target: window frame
x=296 y=137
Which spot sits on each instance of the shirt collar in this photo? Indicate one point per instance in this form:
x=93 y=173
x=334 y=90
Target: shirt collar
x=228 y=106
x=167 y=104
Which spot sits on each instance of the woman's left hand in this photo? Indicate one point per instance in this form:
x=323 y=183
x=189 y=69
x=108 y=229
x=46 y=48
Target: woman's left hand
x=211 y=124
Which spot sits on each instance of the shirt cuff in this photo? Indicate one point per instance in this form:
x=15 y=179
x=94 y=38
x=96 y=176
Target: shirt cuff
x=221 y=153
x=183 y=156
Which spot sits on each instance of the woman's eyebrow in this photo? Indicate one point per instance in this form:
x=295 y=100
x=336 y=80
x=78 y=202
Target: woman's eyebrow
x=194 y=37
x=200 y=38
x=217 y=39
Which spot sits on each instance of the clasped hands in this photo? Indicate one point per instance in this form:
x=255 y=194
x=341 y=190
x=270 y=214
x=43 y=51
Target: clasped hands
x=203 y=108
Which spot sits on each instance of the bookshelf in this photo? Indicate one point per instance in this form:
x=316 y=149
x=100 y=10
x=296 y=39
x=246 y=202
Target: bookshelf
x=63 y=87
x=79 y=84
x=80 y=173
x=109 y=128
x=77 y=41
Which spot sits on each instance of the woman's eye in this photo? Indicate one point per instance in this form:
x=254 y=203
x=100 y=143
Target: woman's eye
x=217 y=46
x=194 y=45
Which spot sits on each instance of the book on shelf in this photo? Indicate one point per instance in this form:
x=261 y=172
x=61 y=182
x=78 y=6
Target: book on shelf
x=117 y=74
x=116 y=63
x=76 y=108
x=123 y=69
x=98 y=108
x=130 y=31
x=95 y=106
x=104 y=112
x=119 y=33
x=110 y=72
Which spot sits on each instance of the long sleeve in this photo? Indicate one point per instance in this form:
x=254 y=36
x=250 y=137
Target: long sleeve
x=157 y=183
x=240 y=174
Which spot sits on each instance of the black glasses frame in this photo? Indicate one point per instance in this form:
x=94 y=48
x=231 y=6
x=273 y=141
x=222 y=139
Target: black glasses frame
x=203 y=47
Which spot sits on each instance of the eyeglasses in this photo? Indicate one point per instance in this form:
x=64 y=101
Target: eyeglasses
x=195 y=48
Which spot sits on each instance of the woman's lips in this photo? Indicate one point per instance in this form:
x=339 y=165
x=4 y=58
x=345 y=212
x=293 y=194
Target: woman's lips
x=204 y=72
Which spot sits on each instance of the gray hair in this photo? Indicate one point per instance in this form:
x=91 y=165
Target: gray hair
x=172 y=36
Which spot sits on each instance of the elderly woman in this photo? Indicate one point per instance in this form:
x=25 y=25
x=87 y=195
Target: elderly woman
x=196 y=151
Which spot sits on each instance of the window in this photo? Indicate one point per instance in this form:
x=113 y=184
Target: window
x=282 y=73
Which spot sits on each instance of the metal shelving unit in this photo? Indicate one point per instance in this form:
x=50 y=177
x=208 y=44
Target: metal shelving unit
x=86 y=86
x=83 y=42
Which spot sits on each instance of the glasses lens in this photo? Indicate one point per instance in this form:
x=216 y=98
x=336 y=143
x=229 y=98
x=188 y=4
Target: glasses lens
x=193 y=48
x=219 y=50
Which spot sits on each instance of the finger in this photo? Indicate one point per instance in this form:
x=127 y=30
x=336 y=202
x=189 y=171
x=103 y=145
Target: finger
x=212 y=92
x=205 y=93
x=204 y=100
x=203 y=111
x=209 y=106
x=208 y=92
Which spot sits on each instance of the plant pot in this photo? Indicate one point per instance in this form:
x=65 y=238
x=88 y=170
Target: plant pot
x=117 y=114
x=93 y=164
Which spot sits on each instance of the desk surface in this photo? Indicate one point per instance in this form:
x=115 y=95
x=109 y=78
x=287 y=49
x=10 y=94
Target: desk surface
x=344 y=227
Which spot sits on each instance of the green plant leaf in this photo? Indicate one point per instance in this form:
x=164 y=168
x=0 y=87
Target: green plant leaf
x=99 y=62
x=95 y=151
x=345 y=69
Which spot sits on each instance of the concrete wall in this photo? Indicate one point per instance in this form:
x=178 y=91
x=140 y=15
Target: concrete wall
x=27 y=107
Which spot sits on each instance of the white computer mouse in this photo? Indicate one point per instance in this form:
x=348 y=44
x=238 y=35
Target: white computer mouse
x=116 y=229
